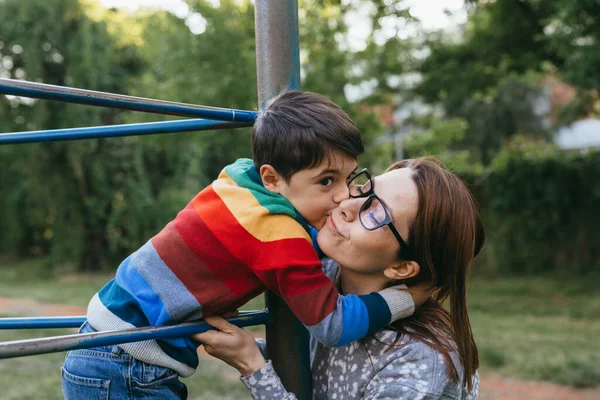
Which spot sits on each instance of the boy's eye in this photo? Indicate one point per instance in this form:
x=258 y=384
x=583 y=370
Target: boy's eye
x=326 y=182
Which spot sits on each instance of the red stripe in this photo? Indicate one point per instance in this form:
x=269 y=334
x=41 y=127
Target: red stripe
x=233 y=273
x=321 y=301
x=294 y=281
x=201 y=282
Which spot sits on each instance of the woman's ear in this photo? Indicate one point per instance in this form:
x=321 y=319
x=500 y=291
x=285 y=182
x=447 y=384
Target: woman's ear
x=270 y=178
x=404 y=270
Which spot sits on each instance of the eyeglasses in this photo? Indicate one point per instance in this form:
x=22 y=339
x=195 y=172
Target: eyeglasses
x=372 y=214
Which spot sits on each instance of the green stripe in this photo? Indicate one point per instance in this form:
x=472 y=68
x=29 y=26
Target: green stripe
x=245 y=175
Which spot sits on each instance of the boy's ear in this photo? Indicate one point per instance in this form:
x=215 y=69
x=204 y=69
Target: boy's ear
x=403 y=270
x=270 y=178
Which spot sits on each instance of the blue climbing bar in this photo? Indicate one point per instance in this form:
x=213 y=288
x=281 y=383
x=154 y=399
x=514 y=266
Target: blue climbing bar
x=59 y=322
x=54 y=344
x=41 y=322
x=90 y=97
x=145 y=128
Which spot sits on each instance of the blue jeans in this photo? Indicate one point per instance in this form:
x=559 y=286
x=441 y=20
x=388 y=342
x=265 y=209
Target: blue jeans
x=109 y=373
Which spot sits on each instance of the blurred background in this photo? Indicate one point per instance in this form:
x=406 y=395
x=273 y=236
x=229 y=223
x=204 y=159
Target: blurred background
x=505 y=92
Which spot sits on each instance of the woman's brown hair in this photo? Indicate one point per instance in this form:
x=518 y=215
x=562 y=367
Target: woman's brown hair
x=445 y=237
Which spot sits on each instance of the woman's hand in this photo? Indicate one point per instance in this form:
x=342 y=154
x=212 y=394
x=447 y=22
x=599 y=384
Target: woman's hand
x=231 y=344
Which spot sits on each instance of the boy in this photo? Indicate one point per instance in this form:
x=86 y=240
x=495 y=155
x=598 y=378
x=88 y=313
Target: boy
x=247 y=232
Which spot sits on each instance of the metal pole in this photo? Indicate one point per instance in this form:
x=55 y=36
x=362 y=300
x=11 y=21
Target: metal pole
x=60 y=322
x=91 y=97
x=145 y=128
x=21 y=348
x=278 y=69
x=41 y=322
x=277 y=48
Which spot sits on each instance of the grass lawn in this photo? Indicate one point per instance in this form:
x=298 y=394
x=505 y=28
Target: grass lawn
x=541 y=329
x=538 y=329
x=38 y=377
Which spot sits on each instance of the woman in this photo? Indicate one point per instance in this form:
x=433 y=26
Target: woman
x=416 y=224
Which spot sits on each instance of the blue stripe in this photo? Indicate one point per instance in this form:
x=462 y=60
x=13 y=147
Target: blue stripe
x=379 y=312
x=151 y=305
x=313 y=235
x=129 y=281
x=122 y=304
x=181 y=349
x=355 y=317
x=179 y=303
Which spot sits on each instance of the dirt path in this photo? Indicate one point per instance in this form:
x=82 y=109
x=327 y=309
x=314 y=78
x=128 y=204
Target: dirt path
x=492 y=387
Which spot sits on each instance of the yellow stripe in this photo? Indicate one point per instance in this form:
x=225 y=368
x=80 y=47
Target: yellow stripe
x=254 y=217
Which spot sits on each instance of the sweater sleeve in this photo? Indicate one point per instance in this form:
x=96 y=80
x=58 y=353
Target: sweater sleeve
x=292 y=270
x=265 y=384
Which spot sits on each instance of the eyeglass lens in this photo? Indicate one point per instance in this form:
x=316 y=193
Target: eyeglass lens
x=360 y=185
x=373 y=214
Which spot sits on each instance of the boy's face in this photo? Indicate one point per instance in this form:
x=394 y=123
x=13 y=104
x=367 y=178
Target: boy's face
x=317 y=191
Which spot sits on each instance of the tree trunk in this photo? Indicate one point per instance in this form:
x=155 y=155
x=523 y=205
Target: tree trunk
x=94 y=255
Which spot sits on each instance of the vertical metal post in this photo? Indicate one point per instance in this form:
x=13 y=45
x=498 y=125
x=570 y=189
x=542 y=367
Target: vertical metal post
x=278 y=69
x=277 y=47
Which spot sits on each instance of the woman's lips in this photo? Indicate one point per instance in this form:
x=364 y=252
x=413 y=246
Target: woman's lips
x=333 y=226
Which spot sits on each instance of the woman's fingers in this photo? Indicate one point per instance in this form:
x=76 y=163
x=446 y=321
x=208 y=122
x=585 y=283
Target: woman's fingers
x=220 y=323
x=224 y=332
x=231 y=344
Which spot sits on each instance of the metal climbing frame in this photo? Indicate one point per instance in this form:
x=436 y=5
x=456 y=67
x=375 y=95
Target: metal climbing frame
x=278 y=69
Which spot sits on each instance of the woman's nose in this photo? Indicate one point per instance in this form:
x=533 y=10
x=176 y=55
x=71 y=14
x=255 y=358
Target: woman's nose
x=349 y=208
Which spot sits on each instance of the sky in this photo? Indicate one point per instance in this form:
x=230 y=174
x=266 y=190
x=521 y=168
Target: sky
x=431 y=13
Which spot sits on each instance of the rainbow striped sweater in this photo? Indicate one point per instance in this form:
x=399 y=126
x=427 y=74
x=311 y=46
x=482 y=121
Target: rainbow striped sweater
x=233 y=241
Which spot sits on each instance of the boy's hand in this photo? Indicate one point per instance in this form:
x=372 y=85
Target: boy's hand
x=420 y=293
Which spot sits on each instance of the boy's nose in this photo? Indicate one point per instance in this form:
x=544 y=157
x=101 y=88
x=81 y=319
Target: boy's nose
x=342 y=194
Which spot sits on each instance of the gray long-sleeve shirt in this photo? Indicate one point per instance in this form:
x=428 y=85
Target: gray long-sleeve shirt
x=370 y=369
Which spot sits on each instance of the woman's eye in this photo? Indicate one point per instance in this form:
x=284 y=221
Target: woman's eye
x=326 y=182
x=372 y=218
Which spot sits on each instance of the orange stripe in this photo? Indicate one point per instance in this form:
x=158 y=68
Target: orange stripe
x=255 y=218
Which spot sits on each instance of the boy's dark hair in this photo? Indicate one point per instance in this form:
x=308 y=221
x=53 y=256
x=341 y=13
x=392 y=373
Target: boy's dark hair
x=298 y=130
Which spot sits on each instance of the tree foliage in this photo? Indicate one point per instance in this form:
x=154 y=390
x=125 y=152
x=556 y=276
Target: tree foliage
x=91 y=202
x=95 y=200
x=64 y=188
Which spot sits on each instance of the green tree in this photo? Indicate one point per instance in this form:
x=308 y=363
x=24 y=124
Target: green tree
x=508 y=37
x=66 y=189
x=98 y=199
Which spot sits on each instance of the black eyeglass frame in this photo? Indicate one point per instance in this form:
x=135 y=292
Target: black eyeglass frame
x=370 y=195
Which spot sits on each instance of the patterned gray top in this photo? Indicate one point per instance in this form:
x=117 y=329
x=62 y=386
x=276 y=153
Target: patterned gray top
x=369 y=369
